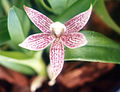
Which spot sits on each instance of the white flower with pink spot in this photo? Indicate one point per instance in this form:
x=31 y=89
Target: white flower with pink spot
x=58 y=34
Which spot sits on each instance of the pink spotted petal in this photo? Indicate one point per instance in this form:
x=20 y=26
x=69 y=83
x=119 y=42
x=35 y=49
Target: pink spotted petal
x=40 y=20
x=37 y=41
x=74 y=40
x=78 y=22
x=56 y=59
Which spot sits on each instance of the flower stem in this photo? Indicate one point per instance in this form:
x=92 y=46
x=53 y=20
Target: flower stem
x=6 y=5
x=48 y=8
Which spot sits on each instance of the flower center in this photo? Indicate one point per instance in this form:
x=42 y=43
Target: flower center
x=57 y=29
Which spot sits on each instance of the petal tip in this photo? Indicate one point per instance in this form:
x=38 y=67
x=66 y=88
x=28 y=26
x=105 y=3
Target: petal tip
x=25 y=8
x=90 y=9
x=21 y=45
x=52 y=75
x=79 y=21
x=85 y=42
x=91 y=6
x=51 y=82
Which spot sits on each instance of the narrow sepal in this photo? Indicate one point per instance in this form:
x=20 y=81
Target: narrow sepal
x=78 y=22
x=37 y=42
x=39 y=19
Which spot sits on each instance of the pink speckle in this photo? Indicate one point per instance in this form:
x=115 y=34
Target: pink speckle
x=56 y=57
x=70 y=37
x=78 y=22
x=74 y=40
x=37 y=41
x=40 y=20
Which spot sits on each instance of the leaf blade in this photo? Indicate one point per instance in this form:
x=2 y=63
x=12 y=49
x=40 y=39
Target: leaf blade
x=102 y=12
x=58 y=7
x=24 y=63
x=18 y=25
x=99 y=48
x=16 y=65
x=78 y=7
x=4 y=36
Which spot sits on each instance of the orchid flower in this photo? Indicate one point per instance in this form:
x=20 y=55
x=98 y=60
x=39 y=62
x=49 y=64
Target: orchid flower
x=58 y=34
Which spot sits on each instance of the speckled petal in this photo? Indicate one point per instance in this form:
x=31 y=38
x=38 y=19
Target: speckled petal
x=37 y=42
x=78 y=22
x=56 y=59
x=74 y=40
x=39 y=19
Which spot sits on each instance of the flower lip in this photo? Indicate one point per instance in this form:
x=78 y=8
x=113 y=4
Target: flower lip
x=57 y=29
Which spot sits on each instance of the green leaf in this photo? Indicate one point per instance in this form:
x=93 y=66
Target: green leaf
x=18 y=25
x=42 y=5
x=13 y=64
x=58 y=6
x=1 y=10
x=61 y=5
x=70 y=2
x=15 y=55
x=102 y=12
x=4 y=36
x=6 y=5
x=23 y=63
x=76 y=8
x=17 y=65
x=98 y=49
x=20 y=3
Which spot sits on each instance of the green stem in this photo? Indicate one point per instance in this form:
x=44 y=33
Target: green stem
x=39 y=66
x=48 y=8
x=6 y=5
x=36 y=63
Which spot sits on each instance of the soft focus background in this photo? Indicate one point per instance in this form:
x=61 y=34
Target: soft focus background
x=76 y=76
